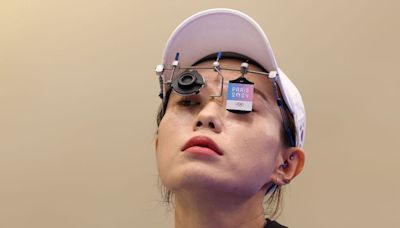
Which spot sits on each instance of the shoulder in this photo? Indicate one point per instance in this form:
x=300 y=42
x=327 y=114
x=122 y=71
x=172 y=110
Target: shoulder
x=273 y=224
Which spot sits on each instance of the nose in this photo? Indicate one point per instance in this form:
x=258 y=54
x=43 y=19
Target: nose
x=209 y=118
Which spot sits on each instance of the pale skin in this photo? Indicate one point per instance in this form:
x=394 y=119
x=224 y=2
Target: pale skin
x=225 y=190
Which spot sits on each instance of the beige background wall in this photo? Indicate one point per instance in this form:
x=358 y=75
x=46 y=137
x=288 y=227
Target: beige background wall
x=78 y=98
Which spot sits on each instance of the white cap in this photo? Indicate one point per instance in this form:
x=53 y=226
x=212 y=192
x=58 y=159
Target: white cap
x=227 y=30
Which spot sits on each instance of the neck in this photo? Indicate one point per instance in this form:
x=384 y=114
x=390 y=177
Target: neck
x=199 y=209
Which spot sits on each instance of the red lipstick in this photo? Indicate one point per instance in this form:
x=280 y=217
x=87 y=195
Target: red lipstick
x=201 y=145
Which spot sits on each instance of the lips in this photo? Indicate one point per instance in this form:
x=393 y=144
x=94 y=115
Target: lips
x=202 y=145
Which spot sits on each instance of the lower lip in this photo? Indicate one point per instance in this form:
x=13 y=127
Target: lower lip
x=201 y=150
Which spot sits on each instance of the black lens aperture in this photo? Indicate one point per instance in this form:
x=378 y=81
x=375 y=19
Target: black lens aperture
x=187 y=83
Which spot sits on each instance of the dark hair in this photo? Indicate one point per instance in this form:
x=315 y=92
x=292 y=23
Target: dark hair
x=273 y=199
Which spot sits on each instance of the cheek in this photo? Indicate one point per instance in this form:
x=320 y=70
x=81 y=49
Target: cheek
x=261 y=135
x=172 y=126
x=168 y=133
x=256 y=153
x=171 y=133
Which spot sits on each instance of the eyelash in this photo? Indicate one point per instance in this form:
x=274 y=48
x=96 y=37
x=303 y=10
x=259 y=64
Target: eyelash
x=186 y=102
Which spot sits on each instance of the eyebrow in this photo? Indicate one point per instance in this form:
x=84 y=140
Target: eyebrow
x=257 y=91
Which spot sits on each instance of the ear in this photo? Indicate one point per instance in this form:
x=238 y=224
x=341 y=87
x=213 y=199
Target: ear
x=292 y=163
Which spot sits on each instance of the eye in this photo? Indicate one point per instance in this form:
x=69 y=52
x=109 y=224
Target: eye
x=187 y=102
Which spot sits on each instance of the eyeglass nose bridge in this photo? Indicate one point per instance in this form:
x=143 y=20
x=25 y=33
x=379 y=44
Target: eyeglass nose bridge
x=219 y=74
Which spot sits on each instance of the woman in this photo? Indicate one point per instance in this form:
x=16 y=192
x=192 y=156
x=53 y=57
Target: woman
x=231 y=124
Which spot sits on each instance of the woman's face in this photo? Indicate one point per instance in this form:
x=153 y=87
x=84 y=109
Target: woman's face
x=247 y=146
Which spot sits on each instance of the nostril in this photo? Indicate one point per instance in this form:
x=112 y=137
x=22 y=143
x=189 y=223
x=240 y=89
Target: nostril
x=211 y=125
x=198 y=124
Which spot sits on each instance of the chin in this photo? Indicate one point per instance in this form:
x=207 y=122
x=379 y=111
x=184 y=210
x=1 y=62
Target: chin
x=196 y=179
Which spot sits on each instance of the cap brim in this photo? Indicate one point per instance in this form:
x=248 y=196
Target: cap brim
x=219 y=30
